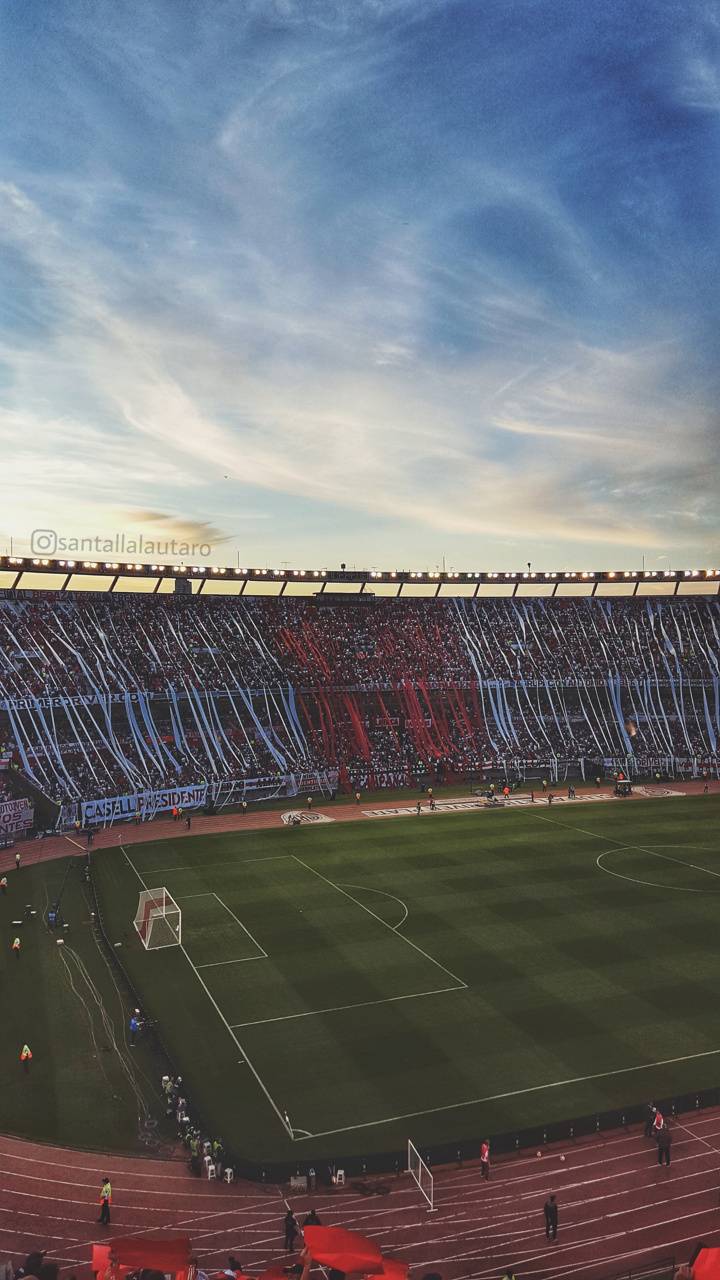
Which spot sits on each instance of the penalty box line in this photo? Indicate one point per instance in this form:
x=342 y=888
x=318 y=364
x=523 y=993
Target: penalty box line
x=459 y=983
x=516 y=1093
x=340 y=1008
x=213 y=964
x=285 y=1124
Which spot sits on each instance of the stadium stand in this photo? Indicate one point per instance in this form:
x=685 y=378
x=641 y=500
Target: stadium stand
x=117 y=695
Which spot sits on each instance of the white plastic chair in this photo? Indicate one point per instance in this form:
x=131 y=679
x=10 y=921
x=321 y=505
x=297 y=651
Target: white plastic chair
x=340 y=1178
x=229 y=1175
x=211 y=1170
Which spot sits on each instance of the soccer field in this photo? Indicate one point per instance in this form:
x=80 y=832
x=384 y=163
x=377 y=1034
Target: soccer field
x=438 y=977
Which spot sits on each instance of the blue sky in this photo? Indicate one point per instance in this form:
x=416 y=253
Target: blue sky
x=379 y=281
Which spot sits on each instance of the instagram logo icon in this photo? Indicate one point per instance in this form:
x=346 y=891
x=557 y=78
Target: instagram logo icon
x=43 y=542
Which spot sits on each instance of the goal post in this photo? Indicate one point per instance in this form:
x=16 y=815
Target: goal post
x=158 y=920
x=421 y=1175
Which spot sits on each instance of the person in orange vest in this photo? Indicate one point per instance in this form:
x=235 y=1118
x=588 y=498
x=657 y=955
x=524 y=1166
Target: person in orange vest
x=175 y=813
x=26 y=1057
x=16 y=948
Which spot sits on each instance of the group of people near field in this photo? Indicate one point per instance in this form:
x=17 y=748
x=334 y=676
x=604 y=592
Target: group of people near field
x=202 y=1149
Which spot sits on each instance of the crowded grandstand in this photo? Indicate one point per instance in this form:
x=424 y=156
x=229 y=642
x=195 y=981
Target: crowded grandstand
x=117 y=695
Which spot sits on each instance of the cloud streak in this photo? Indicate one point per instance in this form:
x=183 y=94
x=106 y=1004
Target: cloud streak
x=416 y=273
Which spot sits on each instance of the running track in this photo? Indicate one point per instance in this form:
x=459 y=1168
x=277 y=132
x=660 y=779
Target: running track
x=618 y=1208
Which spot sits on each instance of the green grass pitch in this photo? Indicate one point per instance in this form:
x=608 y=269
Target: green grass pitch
x=434 y=977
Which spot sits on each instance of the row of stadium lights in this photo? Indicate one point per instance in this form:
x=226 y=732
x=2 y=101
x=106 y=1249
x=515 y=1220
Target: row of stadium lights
x=375 y=573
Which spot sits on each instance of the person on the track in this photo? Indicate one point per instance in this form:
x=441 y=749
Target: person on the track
x=485 y=1159
x=664 y=1141
x=551 y=1217
x=291 y=1230
x=105 y=1200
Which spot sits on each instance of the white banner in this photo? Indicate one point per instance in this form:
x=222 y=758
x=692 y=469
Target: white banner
x=15 y=815
x=122 y=808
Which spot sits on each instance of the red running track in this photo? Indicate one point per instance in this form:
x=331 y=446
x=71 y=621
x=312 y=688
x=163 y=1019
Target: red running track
x=618 y=1208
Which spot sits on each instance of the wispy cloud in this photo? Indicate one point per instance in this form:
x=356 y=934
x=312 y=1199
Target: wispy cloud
x=414 y=267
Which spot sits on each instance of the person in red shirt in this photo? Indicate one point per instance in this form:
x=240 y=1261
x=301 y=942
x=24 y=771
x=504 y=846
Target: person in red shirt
x=485 y=1159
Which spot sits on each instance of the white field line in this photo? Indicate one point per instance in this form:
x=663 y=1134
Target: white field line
x=651 y=884
x=230 y=912
x=230 y=862
x=222 y=1018
x=340 y=1008
x=515 y=1093
x=214 y=964
x=380 y=920
x=368 y=889
x=639 y=847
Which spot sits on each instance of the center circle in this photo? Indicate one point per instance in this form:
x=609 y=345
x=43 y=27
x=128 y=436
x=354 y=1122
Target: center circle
x=654 y=884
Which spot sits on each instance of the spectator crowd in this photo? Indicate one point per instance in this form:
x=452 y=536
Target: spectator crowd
x=117 y=695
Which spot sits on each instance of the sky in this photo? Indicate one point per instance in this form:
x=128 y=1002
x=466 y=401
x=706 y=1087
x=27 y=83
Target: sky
x=391 y=282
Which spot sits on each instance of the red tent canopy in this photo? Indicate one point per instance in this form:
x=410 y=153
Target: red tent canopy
x=707 y=1265
x=152 y=1254
x=343 y=1250
x=101 y=1261
x=393 y=1268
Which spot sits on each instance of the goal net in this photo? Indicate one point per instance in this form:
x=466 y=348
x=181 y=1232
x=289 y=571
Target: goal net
x=158 y=920
x=420 y=1173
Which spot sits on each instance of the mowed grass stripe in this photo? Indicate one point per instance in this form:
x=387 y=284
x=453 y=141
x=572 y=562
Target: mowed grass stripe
x=571 y=973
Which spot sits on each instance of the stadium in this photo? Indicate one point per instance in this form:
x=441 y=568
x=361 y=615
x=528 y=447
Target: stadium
x=350 y=872
x=359 y=699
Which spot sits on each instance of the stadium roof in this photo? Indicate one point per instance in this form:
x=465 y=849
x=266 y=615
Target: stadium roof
x=24 y=573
